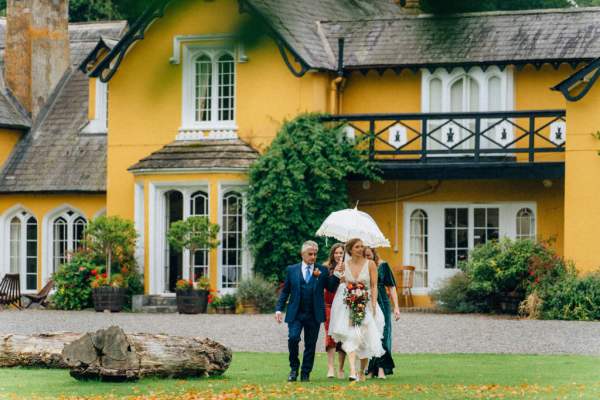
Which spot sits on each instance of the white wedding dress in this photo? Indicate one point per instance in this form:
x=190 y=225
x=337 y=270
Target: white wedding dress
x=364 y=339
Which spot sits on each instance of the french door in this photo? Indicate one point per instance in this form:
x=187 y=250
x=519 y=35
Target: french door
x=439 y=236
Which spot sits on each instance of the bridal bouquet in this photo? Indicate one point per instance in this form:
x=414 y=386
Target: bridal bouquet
x=356 y=297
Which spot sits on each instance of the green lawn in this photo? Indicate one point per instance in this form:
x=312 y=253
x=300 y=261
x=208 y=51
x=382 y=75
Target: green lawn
x=253 y=375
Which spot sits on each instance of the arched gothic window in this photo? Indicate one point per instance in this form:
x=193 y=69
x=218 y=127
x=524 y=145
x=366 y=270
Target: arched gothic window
x=67 y=236
x=525 y=224
x=23 y=249
x=419 y=233
x=232 y=240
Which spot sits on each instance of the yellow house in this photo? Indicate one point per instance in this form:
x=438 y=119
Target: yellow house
x=457 y=111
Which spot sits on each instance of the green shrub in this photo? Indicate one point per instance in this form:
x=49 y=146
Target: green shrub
x=573 y=298
x=452 y=294
x=258 y=291
x=500 y=274
x=72 y=283
x=293 y=187
x=508 y=270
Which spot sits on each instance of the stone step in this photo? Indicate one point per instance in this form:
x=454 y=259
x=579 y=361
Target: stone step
x=159 y=309
x=141 y=301
x=160 y=301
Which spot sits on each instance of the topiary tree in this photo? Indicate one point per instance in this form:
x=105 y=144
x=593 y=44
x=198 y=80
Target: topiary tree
x=293 y=187
x=111 y=237
x=193 y=234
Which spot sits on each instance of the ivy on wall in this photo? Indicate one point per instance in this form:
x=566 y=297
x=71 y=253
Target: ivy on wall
x=294 y=186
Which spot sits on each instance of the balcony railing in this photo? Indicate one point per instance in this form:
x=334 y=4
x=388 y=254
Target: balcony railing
x=515 y=136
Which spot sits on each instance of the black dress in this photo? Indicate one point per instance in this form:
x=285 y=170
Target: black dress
x=385 y=278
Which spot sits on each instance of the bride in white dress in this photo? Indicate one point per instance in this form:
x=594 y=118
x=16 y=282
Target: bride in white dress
x=363 y=340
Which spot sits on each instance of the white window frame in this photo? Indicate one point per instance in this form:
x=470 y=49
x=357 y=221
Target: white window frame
x=48 y=236
x=6 y=220
x=247 y=262
x=436 y=244
x=448 y=78
x=533 y=220
x=206 y=214
x=157 y=240
x=215 y=129
x=99 y=125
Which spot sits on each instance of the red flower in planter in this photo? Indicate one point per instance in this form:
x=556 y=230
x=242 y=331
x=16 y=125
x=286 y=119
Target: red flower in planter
x=210 y=298
x=105 y=275
x=94 y=272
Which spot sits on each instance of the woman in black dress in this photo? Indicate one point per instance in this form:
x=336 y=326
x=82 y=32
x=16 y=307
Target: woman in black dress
x=384 y=365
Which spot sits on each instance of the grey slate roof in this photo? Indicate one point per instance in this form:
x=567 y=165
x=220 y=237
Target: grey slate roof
x=297 y=22
x=231 y=154
x=54 y=156
x=378 y=33
x=497 y=37
x=12 y=115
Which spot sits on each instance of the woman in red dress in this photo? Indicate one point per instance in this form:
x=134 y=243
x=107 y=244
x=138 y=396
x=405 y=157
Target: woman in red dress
x=336 y=255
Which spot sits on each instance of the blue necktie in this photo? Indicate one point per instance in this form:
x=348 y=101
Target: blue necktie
x=307 y=274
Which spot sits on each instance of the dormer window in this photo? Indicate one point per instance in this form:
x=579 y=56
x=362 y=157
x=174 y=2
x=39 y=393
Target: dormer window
x=208 y=93
x=98 y=109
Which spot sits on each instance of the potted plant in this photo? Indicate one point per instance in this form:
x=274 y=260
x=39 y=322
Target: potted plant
x=228 y=302
x=193 y=234
x=108 y=237
x=192 y=297
x=216 y=305
x=108 y=293
x=257 y=294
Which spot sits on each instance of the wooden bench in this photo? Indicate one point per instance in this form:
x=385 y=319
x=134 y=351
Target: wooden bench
x=10 y=291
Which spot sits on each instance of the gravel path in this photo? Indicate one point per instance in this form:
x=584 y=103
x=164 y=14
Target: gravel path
x=414 y=333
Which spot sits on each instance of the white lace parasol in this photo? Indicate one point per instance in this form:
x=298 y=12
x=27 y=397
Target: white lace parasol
x=351 y=223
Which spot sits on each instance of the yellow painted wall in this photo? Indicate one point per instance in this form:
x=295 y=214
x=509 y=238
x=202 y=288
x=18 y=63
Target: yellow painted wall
x=43 y=204
x=582 y=182
x=8 y=139
x=532 y=92
x=145 y=97
x=212 y=181
x=549 y=201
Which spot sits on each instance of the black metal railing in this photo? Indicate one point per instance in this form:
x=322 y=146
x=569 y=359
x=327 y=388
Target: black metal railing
x=475 y=136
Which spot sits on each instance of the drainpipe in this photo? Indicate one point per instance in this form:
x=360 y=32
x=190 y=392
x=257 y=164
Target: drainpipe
x=335 y=95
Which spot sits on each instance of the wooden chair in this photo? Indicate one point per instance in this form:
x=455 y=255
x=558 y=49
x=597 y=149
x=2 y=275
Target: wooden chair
x=10 y=291
x=41 y=297
x=407 y=275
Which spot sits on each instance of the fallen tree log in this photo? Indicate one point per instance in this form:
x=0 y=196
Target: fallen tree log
x=110 y=354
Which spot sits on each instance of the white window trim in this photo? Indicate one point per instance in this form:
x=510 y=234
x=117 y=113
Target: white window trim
x=157 y=229
x=139 y=218
x=191 y=129
x=48 y=236
x=482 y=78
x=435 y=238
x=5 y=222
x=247 y=262
x=99 y=124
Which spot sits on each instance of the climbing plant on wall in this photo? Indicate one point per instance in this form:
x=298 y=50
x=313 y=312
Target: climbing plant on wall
x=294 y=185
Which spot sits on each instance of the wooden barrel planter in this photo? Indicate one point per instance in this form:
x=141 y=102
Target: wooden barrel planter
x=109 y=298
x=192 y=301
